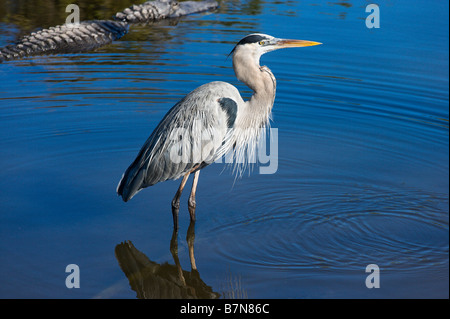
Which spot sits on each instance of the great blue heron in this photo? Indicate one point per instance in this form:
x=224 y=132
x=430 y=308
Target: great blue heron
x=207 y=123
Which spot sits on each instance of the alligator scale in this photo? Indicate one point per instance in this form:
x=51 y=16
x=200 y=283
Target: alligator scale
x=89 y=35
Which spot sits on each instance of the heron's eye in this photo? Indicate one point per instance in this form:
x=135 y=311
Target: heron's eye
x=262 y=42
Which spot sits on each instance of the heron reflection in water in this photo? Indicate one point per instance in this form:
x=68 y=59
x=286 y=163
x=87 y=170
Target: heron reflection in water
x=214 y=119
x=151 y=280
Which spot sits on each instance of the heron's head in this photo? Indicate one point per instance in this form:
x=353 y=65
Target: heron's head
x=256 y=44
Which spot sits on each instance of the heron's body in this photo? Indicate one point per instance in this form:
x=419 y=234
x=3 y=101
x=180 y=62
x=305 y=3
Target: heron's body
x=206 y=128
x=209 y=122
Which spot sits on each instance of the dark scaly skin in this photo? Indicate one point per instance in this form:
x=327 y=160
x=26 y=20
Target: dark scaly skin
x=89 y=35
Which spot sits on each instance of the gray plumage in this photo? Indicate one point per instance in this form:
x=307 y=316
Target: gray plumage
x=193 y=133
x=209 y=122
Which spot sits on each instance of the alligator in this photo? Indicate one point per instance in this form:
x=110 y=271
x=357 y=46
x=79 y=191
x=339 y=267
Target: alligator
x=89 y=35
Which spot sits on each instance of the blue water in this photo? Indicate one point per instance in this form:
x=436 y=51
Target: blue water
x=363 y=153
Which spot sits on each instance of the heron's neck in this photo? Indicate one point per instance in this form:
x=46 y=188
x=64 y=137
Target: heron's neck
x=263 y=83
x=264 y=90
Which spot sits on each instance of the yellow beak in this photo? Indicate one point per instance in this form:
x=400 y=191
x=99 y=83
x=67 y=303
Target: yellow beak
x=287 y=43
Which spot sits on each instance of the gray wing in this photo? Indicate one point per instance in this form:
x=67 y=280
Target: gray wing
x=192 y=135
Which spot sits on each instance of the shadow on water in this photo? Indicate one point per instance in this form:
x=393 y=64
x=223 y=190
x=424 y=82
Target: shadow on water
x=151 y=280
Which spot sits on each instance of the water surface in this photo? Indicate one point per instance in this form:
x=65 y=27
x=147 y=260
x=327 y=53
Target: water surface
x=362 y=158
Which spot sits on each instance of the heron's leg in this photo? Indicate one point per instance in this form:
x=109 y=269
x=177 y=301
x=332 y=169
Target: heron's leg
x=191 y=202
x=176 y=201
x=190 y=236
x=174 y=252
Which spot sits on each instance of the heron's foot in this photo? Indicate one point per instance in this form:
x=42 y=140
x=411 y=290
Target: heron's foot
x=175 y=203
x=191 y=202
x=191 y=208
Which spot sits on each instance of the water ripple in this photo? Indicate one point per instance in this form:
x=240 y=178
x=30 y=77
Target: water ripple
x=338 y=230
